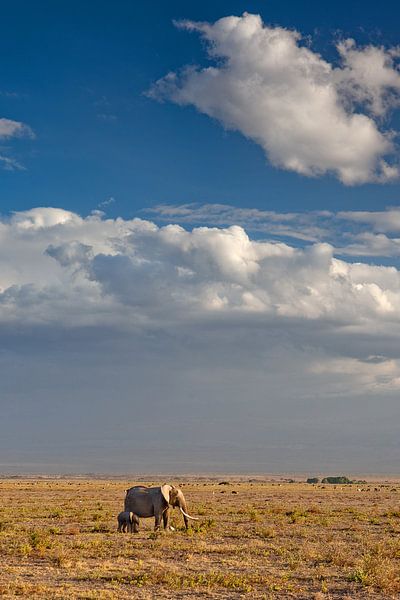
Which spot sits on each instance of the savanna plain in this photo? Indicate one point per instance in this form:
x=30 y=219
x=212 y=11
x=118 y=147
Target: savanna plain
x=254 y=539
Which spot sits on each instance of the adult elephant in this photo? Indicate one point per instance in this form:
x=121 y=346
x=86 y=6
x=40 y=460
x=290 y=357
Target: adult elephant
x=155 y=502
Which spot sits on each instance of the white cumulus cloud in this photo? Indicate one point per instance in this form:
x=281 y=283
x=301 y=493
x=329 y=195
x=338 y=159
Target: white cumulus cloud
x=306 y=113
x=56 y=265
x=369 y=75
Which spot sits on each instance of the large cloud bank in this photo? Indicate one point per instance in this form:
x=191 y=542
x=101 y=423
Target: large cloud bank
x=50 y=256
x=58 y=268
x=309 y=116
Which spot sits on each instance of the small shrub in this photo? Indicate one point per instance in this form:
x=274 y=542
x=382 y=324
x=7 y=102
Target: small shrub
x=39 y=541
x=296 y=516
x=266 y=533
x=60 y=559
x=54 y=530
x=25 y=549
x=254 y=515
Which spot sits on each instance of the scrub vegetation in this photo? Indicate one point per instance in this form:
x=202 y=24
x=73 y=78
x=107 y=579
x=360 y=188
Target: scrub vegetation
x=255 y=539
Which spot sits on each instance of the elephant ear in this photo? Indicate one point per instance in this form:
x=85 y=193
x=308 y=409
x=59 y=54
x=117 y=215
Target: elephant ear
x=165 y=490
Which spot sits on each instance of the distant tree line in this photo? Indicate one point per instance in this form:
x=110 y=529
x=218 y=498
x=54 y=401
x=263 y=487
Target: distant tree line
x=338 y=479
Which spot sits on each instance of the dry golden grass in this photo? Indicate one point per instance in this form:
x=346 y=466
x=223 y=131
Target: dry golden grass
x=58 y=539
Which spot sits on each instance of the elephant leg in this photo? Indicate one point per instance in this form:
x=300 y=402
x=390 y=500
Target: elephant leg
x=157 y=522
x=166 y=518
x=135 y=524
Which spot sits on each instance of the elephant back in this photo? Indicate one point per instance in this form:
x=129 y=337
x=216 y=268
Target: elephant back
x=138 y=489
x=138 y=499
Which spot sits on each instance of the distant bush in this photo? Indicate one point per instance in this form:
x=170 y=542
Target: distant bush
x=340 y=479
x=313 y=480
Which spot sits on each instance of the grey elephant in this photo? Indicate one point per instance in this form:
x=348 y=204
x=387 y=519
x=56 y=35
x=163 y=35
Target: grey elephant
x=155 y=502
x=128 y=521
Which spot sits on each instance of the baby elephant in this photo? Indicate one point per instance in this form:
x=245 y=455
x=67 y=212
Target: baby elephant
x=128 y=521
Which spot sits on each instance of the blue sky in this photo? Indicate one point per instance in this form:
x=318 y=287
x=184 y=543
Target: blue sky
x=199 y=236
x=77 y=77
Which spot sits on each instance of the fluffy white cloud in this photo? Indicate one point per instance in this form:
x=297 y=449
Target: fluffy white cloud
x=291 y=101
x=59 y=269
x=369 y=75
x=58 y=266
x=43 y=218
x=10 y=129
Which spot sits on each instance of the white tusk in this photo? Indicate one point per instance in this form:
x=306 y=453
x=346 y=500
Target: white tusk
x=172 y=528
x=188 y=516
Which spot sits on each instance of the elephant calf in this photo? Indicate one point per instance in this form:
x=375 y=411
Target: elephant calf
x=128 y=521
